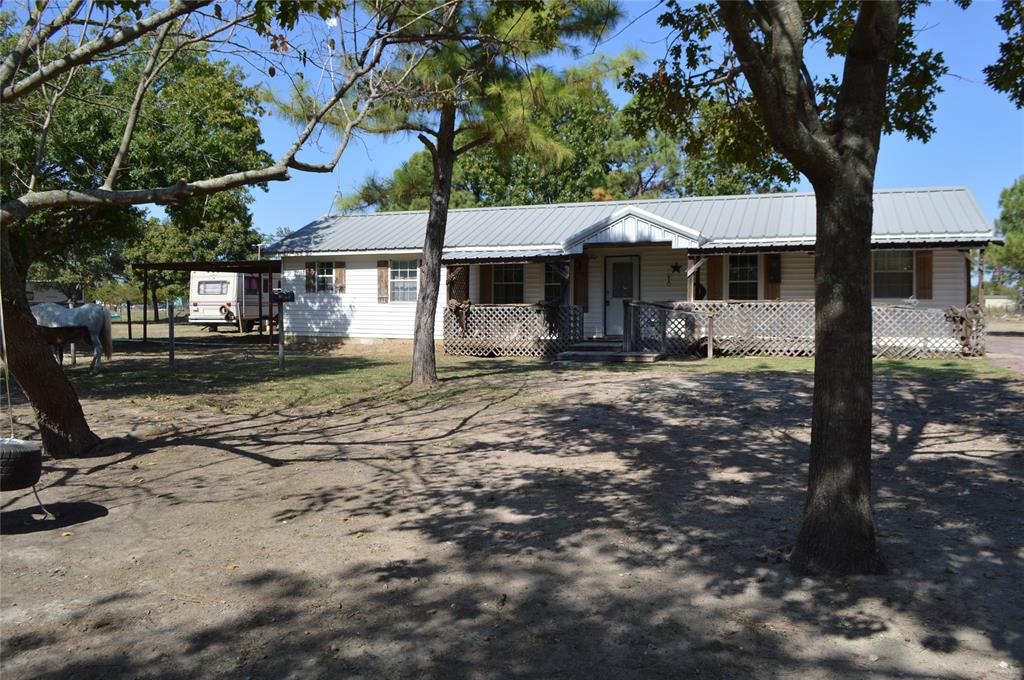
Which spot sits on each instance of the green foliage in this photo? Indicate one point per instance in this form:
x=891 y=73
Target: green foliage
x=694 y=73
x=1007 y=261
x=1007 y=74
x=602 y=161
x=199 y=119
x=114 y=291
x=223 y=231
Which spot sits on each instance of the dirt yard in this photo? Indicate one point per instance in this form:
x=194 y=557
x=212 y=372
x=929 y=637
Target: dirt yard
x=530 y=522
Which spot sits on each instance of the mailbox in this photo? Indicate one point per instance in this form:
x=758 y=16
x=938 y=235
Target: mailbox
x=278 y=296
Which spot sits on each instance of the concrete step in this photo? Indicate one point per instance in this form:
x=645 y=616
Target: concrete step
x=610 y=357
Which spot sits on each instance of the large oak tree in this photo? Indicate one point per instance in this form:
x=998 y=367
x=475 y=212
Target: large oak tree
x=755 y=56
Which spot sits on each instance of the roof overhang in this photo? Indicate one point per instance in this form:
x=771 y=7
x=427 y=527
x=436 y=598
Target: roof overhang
x=502 y=255
x=631 y=224
x=236 y=266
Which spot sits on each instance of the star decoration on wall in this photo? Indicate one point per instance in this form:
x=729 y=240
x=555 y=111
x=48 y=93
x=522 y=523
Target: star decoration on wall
x=677 y=268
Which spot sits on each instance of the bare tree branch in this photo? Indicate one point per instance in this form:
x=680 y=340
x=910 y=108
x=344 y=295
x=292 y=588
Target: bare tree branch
x=145 y=78
x=89 y=50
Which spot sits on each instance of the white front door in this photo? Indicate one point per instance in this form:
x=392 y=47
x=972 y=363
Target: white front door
x=621 y=282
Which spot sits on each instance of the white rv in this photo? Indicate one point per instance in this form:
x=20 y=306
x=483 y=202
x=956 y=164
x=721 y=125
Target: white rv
x=229 y=299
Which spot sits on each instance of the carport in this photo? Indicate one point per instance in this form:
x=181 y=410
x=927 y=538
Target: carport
x=257 y=267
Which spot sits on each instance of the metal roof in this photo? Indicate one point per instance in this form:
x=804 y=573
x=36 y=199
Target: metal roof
x=506 y=255
x=923 y=215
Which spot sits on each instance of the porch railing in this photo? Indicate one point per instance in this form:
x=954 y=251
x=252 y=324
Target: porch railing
x=511 y=330
x=786 y=328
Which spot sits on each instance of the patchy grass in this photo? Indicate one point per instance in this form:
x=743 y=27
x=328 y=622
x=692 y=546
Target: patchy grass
x=247 y=378
x=255 y=382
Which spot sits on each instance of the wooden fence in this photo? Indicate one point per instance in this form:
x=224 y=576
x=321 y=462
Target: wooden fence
x=511 y=330
x=777 y=328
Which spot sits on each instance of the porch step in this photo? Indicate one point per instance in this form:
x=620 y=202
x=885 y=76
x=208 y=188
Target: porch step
x=597 y=345
x=610 y=357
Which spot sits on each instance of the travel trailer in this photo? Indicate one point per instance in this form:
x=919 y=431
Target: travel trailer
x=230 y=299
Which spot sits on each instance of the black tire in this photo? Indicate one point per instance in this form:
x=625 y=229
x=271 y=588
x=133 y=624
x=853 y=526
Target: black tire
x=21 y=464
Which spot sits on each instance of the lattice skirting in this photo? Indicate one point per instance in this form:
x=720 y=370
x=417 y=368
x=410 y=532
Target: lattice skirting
x=787 y=329
x=512 y=330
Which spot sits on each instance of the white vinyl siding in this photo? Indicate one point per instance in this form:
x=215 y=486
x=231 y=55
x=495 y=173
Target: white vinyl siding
x=949 y=280
x=354 y=313
x=357 y=314
x=797 y=276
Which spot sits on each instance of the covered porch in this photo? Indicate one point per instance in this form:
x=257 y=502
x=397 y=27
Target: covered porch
x=504 y=303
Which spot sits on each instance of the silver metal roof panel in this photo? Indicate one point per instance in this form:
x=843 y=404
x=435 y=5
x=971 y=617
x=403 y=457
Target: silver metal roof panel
x=946 y=214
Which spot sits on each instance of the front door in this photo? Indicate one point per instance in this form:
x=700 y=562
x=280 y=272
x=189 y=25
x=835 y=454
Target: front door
x=621 y=282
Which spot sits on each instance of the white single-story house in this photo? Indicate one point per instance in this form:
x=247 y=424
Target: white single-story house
x=356 y=276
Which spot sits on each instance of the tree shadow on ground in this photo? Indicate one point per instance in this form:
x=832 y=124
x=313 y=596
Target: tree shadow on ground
x=623 y=529
x=61 y=515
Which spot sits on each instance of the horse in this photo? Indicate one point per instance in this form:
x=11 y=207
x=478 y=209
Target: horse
x=60 y=337
x=95 y=317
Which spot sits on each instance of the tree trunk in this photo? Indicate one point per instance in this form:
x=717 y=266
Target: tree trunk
x=62 y=425
x=424 y=363
x=156 y=305
x=837 y=535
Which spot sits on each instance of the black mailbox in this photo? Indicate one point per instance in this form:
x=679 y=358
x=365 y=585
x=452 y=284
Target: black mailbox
x=282 y=296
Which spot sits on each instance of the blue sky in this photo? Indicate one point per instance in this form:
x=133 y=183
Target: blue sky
x=979 y=140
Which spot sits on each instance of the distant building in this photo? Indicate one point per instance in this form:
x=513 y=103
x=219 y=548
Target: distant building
x=45 y=291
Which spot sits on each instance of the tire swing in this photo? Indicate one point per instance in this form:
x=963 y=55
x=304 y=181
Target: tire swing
x=21 y=462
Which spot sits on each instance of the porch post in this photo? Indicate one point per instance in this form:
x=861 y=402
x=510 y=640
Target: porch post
x=981 y=278
x=627 y=326
x=145 y=304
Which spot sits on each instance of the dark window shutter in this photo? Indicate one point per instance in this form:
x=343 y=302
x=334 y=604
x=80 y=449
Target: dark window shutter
x=772 y=276
x=339 y=277
x=923 y=274
x=382 y=282
x=714 y=269
x=486 y=284
x=311 y=277
x=580 y=281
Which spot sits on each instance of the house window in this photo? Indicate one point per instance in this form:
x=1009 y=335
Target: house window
x=325 y=277
x=508 y=284
x=894 y=274
x=252 y=285
x=743 y=277
x=213 y=288
x=556 y=282
x=403 y=280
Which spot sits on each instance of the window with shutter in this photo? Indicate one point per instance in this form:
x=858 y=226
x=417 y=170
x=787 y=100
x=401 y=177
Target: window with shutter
x=893 y=274
x=403 y=280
